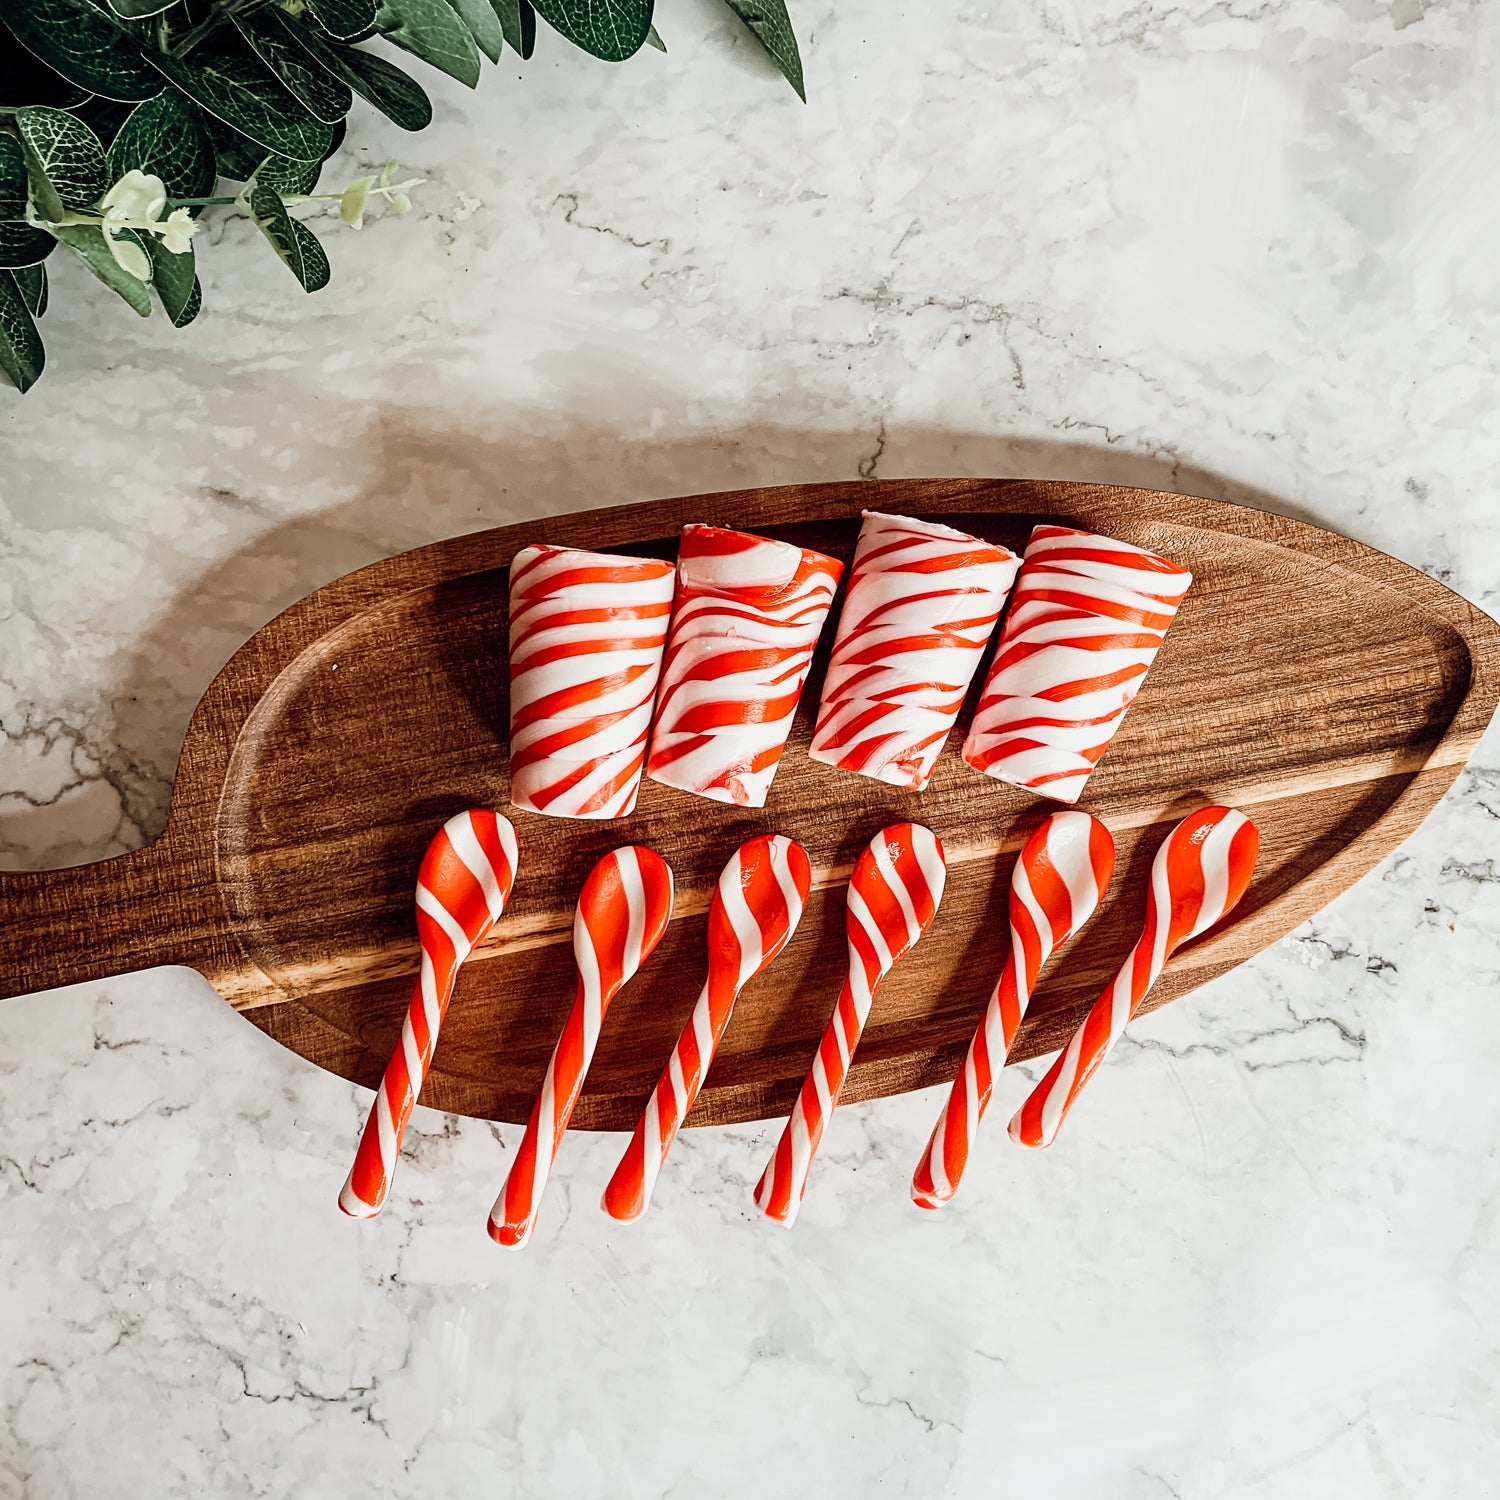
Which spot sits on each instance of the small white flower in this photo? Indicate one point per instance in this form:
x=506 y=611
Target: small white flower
x=178 y=231
x=137 y=198
x=137 y=195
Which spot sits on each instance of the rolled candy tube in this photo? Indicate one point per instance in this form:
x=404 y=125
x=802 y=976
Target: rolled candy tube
x=587 y=635
x=747 y=615
x=1086 y=620
x=920 y=608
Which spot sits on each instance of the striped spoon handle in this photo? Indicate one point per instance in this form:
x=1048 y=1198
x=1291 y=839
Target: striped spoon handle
x=1059 y=879
x=622 y=913
x=893 y=896
x=464 y=883
x=756 y=907
x=1198 y=877
x=784 y=1181
x=629 y=1192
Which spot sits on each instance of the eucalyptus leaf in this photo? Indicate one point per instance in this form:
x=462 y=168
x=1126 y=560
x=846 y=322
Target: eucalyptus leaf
x=139 y=10
x=288 y=177
x=400 y=98
x=193 y=308
x=343 y=19
x=483 y=24
x=87 y=242
x=20 y=243
x=174 y=277
x=337 y=138
x=518 y=23
x=653 y=39
x=86 y=44
x=26 y=79
x=431 y=30
x=235 y=156
x=233 y=85
x=294 y=242
x=166 y=137
x=66 y=160
x=22 y=246
x=771 y=26
x=32 y=283
x=325 y=96
x=608 y=29
x=22 y=357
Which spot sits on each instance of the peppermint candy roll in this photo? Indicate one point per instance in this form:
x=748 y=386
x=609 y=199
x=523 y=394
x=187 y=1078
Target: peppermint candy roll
x=587 y=634
x=747 y=616
x=921 y=605
x=1086 y=620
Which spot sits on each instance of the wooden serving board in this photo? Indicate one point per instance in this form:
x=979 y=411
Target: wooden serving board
x=1327 y=690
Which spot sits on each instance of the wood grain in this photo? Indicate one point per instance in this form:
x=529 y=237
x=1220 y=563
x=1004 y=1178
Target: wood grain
x=1326 y=689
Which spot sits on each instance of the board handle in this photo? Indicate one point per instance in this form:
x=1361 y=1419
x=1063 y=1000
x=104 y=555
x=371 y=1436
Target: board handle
x=134 y=911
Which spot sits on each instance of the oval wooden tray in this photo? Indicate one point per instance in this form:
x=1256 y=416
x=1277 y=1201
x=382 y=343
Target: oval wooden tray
x=1324 y=688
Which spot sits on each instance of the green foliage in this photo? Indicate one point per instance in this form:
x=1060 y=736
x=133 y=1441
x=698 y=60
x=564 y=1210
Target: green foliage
x=324 y=95
x=235 y=86
x=400 y=98
x=483 y=25
x=771 y=26
x=433 y=31
x=610 y=29
x=65 y=160
x=21 y=352
x=87 y=242
x=168 y=137
x=518 y=22
x=344 y=19
x=291 y=239
x=121 y=121
x=85 y=44
x=33 y=284
x=20 y=244
x=175 y=280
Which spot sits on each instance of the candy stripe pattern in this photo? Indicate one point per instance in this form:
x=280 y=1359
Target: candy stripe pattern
x=1086 y=620
x=893 y=896
x=1199 y=875
x=921 y=605
x=622 y=913
x=587 y=635
x=758 y=904
x=747 y=616
x=1059 y=880
x=462 y=888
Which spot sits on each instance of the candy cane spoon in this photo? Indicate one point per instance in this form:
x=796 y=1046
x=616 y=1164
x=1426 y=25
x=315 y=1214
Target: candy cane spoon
x=622 y=912
x=1059 y=879
x=462 y=887
x=755 y=910
x=893 y=897
x=1197 y=878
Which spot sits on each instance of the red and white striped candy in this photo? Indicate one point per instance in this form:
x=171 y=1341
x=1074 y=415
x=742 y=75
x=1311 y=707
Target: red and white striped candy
x=893 y=897
x=747 y=616
x=1198 y=876
x=623 y=910
x=1086 y=620
x=587 y=634
x=462 y=888
x=1059 y=880
x=755 y=910
x=920 y=607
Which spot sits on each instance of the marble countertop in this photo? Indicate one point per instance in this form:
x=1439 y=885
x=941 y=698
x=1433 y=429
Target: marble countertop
x=1242 y=251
